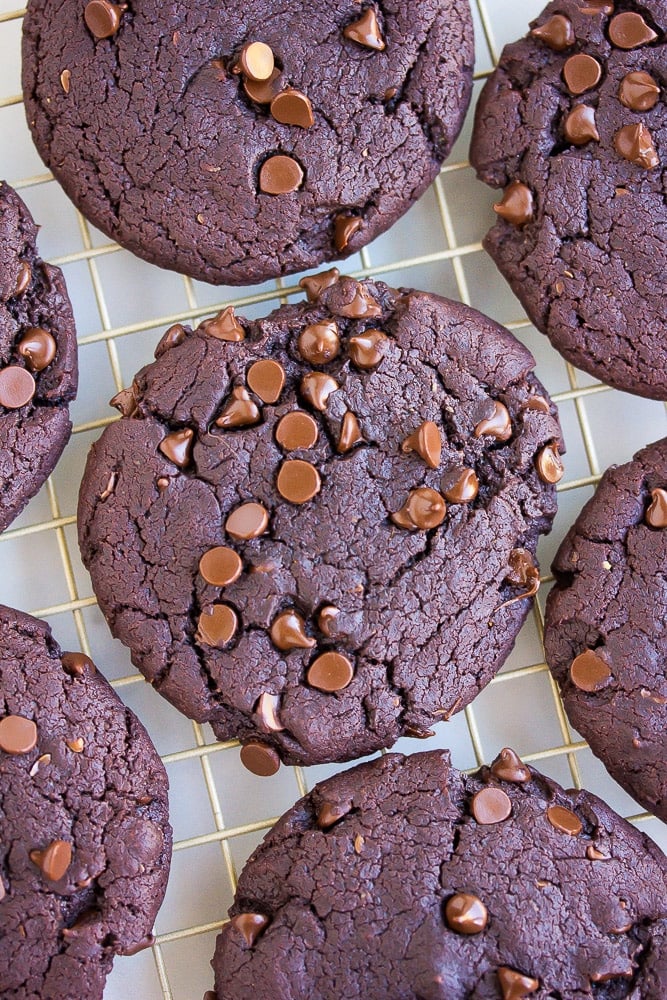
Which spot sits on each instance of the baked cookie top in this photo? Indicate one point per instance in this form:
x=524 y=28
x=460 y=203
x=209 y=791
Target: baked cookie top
x=241 y=141
x=38 y=360
x=573 y=125
x=85 y=840
x=317 y=530
x=405 y=878
x=605 y=632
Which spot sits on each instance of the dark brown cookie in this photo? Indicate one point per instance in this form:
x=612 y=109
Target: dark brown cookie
x=241 y=141
x=85 y=840
x=317 y=531
x=573 y=125
x=404 y=878
x=38 y=360
x=605 y=625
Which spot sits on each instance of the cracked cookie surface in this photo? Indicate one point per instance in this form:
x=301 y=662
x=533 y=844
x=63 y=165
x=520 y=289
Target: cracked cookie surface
x=573 y=125
x=38 y=360
x=85 y=840
x=605 y=635
x=238 y=142
x=395 y=880
x=318 y=533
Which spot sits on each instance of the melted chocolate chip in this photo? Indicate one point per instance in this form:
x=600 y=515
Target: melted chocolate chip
x=288 y=631
x=424 y=510
x=639 y=91
x=263 y=91
x=217 y=626
x=579 y=127
x=250 y=520
x=514 y=985
x=172 y=337
x=426 y=442
x=297 y=430
x=250 y=926
x=319 y=344
x=362 y=304
x=498 y=425
x=581 y=73
x=291 y=107
x=266 y=710
x=491 y=805
x=549 y=466
x=260 y=759
x=656 y=514
x=460 y=485
x=635 y=143
x=224 y=326
x=557 y=33
x=629 y=30
x=220 y=566
x=280 y=174
x=330 y=672
x=508 y=766
x=38 y=348
x=315 y=284
x=367 y=349
x=366 y=31
x=17 y=735
x=466 y=914
x=266 y=378
x=345 y=227
x=76 y=664
x=103 y=18
x=17 y=387
x=177 y=447
x=517 y=205
x=316 y=387
x=239 y=410
x=298 y=481
x=125 y=402
x=54 y=861
x=589 y=672
x=327 y=618
x=564 y=820
x=350 y=433
x=331 y=813
x=24 y=278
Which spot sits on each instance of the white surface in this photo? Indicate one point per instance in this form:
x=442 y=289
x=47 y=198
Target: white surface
x=122 y=305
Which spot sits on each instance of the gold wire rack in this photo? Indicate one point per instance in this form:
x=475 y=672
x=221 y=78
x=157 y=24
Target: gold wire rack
x=166 y=970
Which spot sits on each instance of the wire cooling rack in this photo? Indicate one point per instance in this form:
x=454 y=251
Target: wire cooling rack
x=122 y=305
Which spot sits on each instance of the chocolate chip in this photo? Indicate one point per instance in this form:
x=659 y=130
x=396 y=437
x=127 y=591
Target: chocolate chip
x=76 y=664
x=280 y=174
x=42 y=761
x=549 y=466
x=345 y=227
x=629 y=30
x=260 y=759
x=316 y=387
x=327 y=618
x=266 y=378
x=24 y=278
x=297 y=430
x=250 y=925
x=460 y=485
x=220 y=566
x=498 y=425
x=580 y=126
x=589 y=672
x=350 y=433
x=564 y=820
x=103 y=18
x=248 y=521
x=266 y=711
x=366 y=31
x=331 y=813
x=516 y=206
x=539 y=404
x=656 y=515
x=142 y=945
x=319 y=343
x=598 y=7
x=508 y=766
x=17 y=734
x=162 y=483
x=466 y=914
x=76 y=745
x=424 y=510
x=315 y=284
x=514 y=985
x=362 y=305
x=426 y=442
x=172 y=337
x=110 y=487
x=557 y=33
x=523 y=572
x=125 y=402
x=177 y=447
x=217 y=625
x=413 y=733
x=291 y=107
x=581 y=73
x=491 y=805
x=635 y=143
x=263 y=91
x=288 y=631
x=367 y=349
x=330 y=672
x=239 y=410
x=256 y=61
x=223 y=326
x=638 y=91
x=54 y=861
x=298 y=481
x=17 y=387
x=38 y=348
x=593 y=854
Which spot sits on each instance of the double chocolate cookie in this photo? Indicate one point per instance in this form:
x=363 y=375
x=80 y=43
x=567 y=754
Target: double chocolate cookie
x=38 y=360
x=404 y=878
x=605 y=636
x=85 y=840
x=240 y=141
x=317 y=531
x=573 y=125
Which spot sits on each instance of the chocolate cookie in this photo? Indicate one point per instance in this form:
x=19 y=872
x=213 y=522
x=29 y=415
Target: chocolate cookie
x=85 y=840
x=573 y=125
x=38 y=361
x=404 y=878
x=605 y=625
x=240 y=141
x=317 y=531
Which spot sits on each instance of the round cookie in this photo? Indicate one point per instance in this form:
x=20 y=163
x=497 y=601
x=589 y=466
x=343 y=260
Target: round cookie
x=241 y=141
x=605 y=635
x=85 y=840
x=317 y=531
x=573 y=126
x=38 y=360
x=404 y=878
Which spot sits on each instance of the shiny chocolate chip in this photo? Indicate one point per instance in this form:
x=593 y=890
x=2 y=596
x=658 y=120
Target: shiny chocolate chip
x=426 y=442
x=266 y=378
x=581 y=73
x=17 y=387
x=517 y=205
x=366 y=31
x=288 y=631
x=260 y=759
x=38 y=347
x=557 y=33
x=316 y=387
x=280 y=174
x=298 y=481
x=466 y=914
x=330 y=672
x=589 y=672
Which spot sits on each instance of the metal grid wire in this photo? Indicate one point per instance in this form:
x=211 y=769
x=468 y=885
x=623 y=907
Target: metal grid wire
x=170 y=975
